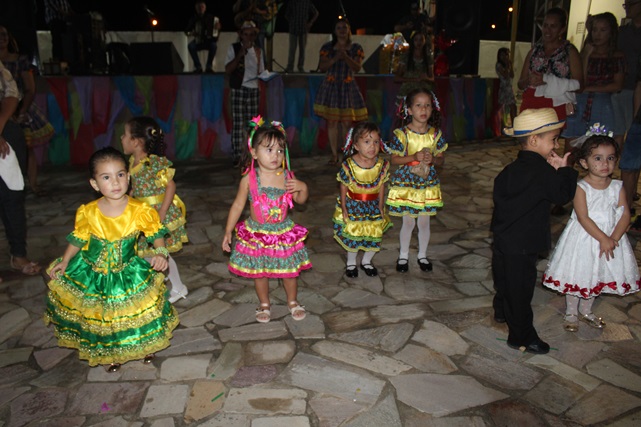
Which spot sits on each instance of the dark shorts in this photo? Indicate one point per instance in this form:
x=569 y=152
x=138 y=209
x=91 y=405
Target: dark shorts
x=631 y=154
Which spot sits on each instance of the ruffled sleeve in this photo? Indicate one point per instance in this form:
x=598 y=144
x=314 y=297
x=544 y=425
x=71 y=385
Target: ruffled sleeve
x=441 y=145
x=164 y=176
x=343 y=175
x=398 y=145
x=80 y=235
x=148 y=221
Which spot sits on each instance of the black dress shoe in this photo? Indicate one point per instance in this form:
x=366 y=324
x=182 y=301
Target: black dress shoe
x=425 y=264
x=499 y=319
x=369 y=269
x=402 y=268
x=535 y=347
x=351 y=271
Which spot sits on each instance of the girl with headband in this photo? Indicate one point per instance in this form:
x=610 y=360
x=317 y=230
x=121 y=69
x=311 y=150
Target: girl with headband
x=268 y=243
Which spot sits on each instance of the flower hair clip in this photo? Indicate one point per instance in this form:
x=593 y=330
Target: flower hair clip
x=599 y=129
x=596 y=129
x=254 y=124
x=281 y=129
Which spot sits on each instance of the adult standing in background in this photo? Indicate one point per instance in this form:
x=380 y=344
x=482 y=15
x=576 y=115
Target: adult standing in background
x=629 y=43
x=301 y=15
x=204 y=27
x=416 y=21
x=622 y=102
x=12 y=198
x=552 y=56
x=416 y=67
x=338 y=99
x=57 y=14
x=243 y=64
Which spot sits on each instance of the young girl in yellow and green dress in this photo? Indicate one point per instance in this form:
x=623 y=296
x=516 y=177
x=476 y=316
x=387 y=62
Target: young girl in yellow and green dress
x=104 y=300
x=359 y=218
x=152 y=182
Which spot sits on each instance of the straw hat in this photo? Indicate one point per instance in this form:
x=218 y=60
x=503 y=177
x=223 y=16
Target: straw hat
x=533 y=121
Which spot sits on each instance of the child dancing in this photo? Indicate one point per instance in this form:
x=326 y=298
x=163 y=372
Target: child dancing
x=415 y=191
x=152 y=182
x=269 y=244
x=593 y=255
x=103 y=299
x=359 y=218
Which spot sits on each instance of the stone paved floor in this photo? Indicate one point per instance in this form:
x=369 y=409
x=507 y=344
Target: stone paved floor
x=418 y=349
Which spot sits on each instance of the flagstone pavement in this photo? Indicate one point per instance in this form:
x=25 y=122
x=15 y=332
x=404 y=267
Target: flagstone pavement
x=415 y=349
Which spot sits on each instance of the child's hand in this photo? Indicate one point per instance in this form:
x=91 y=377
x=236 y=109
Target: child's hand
x=606 y=246
x=227 y=242
x=429 y=158
x=558 y=162
x=159 y=263
x=419 y=156
x=58 y=270
x=292 y=185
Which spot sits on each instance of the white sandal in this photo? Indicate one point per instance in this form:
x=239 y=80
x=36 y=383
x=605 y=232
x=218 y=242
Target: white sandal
x=263 y=314
x=298 y=311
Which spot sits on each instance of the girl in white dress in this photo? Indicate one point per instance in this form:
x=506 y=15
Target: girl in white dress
x=593 y=255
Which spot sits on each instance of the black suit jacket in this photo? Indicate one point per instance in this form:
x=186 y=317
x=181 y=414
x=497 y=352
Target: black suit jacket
x=523 y=195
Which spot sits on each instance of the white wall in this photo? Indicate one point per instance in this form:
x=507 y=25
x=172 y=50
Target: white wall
x=579 y=12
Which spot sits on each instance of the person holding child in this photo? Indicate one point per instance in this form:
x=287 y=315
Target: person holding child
x=359 y=218
x=593 y=255
x=415 y=191
x=268 y=243
x=104 y=300
x=523 y=194
x=152 y=182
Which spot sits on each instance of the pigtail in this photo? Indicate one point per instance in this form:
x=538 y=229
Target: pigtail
x=155 y=141
x=435 y=118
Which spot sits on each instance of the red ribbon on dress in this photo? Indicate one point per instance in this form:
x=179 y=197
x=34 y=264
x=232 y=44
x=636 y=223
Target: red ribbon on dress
x=363 y=197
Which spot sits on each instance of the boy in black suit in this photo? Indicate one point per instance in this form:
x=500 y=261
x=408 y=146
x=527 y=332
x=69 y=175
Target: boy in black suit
x=523 y=194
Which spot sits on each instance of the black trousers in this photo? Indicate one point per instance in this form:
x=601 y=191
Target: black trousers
x=514 y=281
x=12 y=209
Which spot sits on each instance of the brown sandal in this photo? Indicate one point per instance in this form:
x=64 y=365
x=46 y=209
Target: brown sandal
x=30 y=268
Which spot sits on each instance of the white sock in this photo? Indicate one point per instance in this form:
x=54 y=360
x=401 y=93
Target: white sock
x=585 y=306
x=405 y=238
x=571 y=305
x=177 y=286
x=351 y=259
x=367 y=257
x=423 y=235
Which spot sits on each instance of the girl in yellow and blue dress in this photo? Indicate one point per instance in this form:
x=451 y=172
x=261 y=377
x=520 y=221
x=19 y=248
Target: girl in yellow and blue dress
x=415 y=191
x=152 y=182
x=104 y=300
x=359 y=218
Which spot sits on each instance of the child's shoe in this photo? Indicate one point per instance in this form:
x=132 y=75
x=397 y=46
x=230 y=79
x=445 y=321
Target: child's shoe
x=571 y=322
x=298 y=311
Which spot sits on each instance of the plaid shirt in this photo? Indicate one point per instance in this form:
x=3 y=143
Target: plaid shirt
x=298 y=14
x=56 y=10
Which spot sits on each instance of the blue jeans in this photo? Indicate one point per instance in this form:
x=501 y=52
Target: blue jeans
x=209 y=45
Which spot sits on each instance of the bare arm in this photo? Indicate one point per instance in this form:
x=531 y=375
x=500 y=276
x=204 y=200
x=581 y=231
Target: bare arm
x=343 y=196
x=298 y=190
x=235 y=211
x=524 y=79
x=576 y=67
x=170 y=191
x=624 y=222
x=60 y=268
x=29 y=92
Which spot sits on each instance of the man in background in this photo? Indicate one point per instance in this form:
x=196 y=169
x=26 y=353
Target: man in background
x=204 y=27
x=301 y=15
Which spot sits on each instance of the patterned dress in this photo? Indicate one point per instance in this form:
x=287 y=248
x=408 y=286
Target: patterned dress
x=270 y=245
x=366 y=225
x=575 y=267
x=411 y=194
x=37 y=129
x=149 y=180
x=110 y=304
x=338 y=97
x=506 y=92
x=558 y=63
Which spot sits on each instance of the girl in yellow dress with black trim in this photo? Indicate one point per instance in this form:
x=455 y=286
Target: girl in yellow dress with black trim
x=152 y=182
x=359 y=218
x=103 y=299
x=415 y=191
